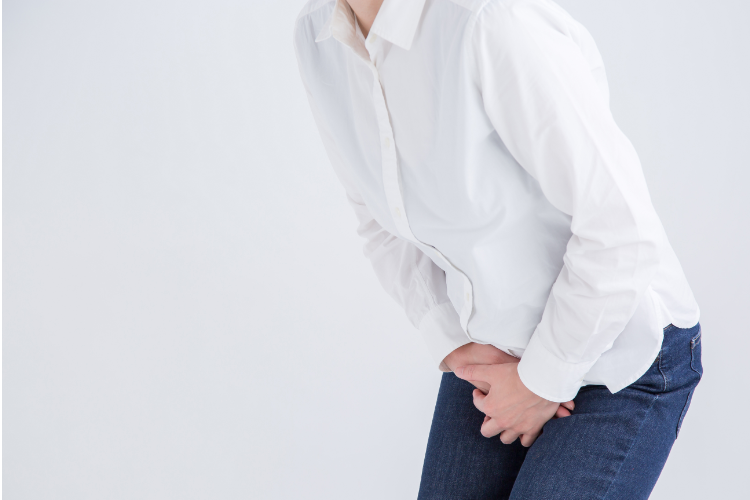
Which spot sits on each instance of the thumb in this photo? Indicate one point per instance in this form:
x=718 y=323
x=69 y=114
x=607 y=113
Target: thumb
x=474 y=373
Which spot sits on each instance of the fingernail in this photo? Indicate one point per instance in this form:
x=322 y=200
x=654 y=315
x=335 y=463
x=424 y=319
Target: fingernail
x=460 y=371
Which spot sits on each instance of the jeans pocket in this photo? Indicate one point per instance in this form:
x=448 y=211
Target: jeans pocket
x=684 y=411
x=695 y=355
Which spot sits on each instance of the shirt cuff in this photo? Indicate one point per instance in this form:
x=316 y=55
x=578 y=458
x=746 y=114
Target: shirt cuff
x=548 y=376
x=442 y=332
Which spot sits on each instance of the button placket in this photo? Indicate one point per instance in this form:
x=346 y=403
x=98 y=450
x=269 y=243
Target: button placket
x=394 y=195
x=391 y=181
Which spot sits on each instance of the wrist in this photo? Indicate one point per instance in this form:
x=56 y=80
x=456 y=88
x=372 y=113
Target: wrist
x=451 y=361
x=476 y=354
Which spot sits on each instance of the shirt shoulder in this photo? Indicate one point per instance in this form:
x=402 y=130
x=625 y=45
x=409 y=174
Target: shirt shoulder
x=311 y=6
x=535 y=15
x=479 y=6
x=470 y=5
x=531 y=14
x=515 y=23
x=311 y=19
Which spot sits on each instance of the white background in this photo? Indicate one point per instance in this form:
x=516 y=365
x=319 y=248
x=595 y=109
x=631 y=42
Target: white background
x=188 y=313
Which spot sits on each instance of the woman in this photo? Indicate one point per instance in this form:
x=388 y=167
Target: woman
x=506 y=212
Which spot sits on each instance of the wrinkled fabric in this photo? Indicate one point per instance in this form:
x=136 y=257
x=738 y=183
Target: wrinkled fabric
x=499 y=201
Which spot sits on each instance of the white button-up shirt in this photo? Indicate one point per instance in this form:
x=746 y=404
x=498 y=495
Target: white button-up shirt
x=499 y=201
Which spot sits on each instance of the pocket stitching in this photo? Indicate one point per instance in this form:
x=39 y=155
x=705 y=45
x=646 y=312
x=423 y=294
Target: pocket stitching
x=695 y=341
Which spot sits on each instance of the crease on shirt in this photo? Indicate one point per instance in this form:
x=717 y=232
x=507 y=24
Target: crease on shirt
x=427 y=288
x=639 y=264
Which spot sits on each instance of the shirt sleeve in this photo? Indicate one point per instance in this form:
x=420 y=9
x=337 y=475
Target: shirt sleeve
x=546 y=103
x=406 y=273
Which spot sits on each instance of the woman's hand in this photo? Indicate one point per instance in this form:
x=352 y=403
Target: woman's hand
x=485 y=354
x=478 y=354
x=511 y=409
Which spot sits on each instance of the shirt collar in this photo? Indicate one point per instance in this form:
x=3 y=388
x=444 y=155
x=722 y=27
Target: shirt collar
x=397 y=22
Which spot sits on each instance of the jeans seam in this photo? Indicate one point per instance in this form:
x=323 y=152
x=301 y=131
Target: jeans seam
x=695 y=342
x=656 y=398
x=683 y=412
x=663 y=373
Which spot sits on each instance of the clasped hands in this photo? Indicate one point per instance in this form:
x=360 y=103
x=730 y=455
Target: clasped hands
x=510 y=409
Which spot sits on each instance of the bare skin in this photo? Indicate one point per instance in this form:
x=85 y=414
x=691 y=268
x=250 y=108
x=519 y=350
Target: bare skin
x=365 y=10
x=485 y=354
x=511 y=409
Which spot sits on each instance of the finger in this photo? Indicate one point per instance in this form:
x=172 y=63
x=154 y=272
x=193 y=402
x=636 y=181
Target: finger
x=482 y=386
x=528 y=439
x=486 y=418
x=570 y=405
x=474 y=373
x=490 y=428
x=479 y=399
x=562 y=412
x=507 y=437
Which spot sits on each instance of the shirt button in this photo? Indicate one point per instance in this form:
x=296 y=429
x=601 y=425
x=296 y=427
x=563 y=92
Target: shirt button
x=373 y=37
x=468 y=297
x=387 y=142
x=397 y=211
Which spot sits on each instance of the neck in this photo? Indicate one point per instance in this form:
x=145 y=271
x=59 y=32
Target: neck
x=365 y=10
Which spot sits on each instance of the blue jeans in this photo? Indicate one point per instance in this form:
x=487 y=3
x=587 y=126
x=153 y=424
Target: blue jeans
x=612 y=447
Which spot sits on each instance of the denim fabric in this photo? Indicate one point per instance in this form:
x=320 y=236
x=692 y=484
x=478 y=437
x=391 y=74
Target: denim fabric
x=613 y=447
